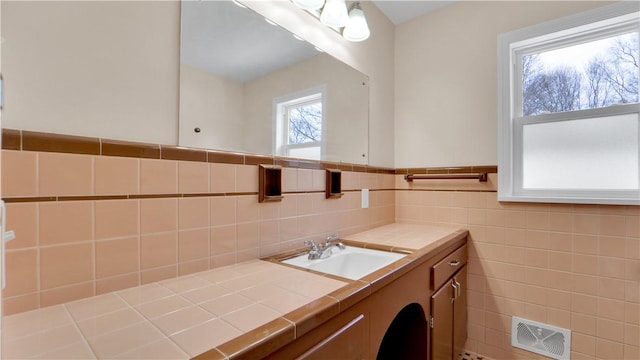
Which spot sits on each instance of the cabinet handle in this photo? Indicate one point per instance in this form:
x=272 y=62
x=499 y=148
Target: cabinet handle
x=454 y=263
x=458 y=288
x=454 y=284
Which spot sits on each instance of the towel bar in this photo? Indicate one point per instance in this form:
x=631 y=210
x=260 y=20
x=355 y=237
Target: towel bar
x=482 y=177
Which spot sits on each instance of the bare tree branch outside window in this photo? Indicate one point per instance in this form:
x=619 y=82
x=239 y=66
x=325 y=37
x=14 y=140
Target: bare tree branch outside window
x=305 y=123
x=606 y=79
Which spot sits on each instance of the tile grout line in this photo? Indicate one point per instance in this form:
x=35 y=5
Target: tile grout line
x=94 y=244
x=38 y=331
x=144 y=319
x=193 y=304
x=38 y=259
x=139 y=234
x=75 y=324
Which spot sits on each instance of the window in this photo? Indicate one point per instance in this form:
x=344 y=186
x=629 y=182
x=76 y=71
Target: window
x=299 y=124
x=569 y=126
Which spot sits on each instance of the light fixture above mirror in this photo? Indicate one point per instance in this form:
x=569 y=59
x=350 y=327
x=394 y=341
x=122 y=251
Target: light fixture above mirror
x=356 y=28
x=333 y=13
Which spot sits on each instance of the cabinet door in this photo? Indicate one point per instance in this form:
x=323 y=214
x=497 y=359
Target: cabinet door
x=460 y=314
x=346 y=343
x=442 y=330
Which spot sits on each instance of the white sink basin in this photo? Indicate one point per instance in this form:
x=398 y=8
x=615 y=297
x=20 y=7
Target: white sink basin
x=351 y=263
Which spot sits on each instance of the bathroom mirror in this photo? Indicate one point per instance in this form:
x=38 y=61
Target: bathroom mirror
x=248 y=85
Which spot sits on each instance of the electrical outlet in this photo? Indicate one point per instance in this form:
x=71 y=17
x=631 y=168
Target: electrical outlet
x=365 y=198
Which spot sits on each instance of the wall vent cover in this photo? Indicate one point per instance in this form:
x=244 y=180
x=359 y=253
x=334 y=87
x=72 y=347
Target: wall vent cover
x=540 y=338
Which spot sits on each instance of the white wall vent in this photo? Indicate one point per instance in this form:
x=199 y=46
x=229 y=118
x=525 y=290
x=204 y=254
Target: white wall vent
x=540 y=338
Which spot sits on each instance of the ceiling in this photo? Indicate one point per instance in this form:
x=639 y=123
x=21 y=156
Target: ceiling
x=399 y=11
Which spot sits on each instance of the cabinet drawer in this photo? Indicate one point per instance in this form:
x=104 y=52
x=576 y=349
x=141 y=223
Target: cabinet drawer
x=443 y=270
x=348 y=341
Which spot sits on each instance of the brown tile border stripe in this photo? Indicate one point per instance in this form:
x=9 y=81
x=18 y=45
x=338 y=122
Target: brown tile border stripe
x=226 y=158
x=359 y=190
x=343 y=167
x=30 y=199
x=130 y=149
x=179 y=153
x=241 y=194
x=258 y=160
x=37 y=141
x=85 y=198
x=359 y=168
x=154 y=196
x=203 y=195
x=11 y=139
x=381 y=171
x=448 y=170
x=120 y=197
x=190 y=195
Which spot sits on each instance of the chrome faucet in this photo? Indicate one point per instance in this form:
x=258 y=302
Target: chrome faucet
x=315 y=250
x=331 y=242
x=323 y=251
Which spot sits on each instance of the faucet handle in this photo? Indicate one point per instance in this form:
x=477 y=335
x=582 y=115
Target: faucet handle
x=334 y=239
x=331 y=238
x=315 y=251
x=311 y=243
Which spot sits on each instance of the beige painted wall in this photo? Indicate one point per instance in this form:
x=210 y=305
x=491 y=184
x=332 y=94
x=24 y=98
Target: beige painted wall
x=113 y=71
x=446 y=79
x=213 y=104
x=107 y=69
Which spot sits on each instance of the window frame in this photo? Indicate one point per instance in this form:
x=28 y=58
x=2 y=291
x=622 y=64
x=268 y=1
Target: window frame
x=281 y=106
x=587 y=26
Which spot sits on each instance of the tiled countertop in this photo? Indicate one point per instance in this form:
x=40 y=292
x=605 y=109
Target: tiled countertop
x=220 y=312
x=407 y=236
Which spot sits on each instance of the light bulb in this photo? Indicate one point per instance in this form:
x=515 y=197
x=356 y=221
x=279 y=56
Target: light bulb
x=310 y=5
x=334 y=13
x=356 y=28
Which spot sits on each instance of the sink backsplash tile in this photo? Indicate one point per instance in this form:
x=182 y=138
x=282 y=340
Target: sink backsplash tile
x=89 y=224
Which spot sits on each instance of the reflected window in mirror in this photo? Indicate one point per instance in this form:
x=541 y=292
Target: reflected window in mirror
x=300 y=122
x=233 y=64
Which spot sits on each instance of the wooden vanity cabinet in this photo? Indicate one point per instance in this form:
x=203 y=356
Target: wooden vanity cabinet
x=358 y=331
x=348 y=341
x=342 y=337
x=460 y=315
x=448 y=319
x=364 y=324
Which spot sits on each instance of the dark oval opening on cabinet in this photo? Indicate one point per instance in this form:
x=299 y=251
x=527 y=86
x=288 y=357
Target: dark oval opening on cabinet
x=406 y=337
